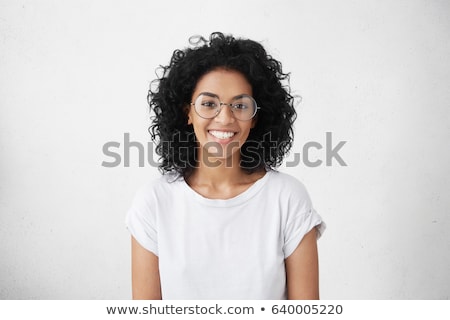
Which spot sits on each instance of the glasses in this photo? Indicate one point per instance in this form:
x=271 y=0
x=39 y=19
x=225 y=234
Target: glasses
x=208 y=105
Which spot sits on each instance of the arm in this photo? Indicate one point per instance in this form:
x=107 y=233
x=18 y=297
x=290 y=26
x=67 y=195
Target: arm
x=145 y=273
x=302 y=269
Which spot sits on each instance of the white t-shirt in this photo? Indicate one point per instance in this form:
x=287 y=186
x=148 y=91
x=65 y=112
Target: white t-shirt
x=223 y=249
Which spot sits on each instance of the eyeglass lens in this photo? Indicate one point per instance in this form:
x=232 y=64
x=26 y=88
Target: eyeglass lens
x=243 y=107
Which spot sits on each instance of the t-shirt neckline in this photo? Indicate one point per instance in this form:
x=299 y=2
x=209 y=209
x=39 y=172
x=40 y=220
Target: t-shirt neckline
x=234 y=201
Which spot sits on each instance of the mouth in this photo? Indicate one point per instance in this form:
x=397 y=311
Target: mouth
x=222 y=135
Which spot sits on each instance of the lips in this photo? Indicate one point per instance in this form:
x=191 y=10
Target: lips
x=222 y=134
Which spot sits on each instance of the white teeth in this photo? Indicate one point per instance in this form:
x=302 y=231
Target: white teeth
x=222 y=134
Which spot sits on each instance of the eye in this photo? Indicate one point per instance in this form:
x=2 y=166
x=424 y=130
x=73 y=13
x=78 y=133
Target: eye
x=208 y=104
x=240 y=106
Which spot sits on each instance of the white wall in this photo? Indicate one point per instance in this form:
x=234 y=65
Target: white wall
x=74 y=75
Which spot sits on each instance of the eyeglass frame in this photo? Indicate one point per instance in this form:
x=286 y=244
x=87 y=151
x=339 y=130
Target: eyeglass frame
x=221 y=104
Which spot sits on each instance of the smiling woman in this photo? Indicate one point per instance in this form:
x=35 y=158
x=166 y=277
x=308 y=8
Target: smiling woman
x=221 y=223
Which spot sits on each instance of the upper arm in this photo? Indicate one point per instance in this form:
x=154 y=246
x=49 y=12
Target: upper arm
x=145 y=273
x=302 y=269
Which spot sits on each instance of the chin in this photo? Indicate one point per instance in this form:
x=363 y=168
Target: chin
x=221 y=152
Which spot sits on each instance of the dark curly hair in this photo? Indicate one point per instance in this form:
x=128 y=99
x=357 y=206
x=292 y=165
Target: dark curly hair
x=272 y=136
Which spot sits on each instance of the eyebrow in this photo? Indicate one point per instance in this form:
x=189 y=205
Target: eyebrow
x=209 y=94
x=213 y=95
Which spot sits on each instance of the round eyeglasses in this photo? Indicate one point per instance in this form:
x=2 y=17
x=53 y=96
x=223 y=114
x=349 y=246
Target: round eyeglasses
x=208 y=106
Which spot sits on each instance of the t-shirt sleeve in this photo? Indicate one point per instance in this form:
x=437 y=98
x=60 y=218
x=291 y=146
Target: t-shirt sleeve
x=141 y=220
x=301 y=219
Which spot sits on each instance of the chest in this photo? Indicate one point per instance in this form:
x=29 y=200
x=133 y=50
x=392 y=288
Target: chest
x=230 y=251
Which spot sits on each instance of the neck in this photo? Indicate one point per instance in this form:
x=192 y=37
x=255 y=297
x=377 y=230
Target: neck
x=221 y=178
x=219 y=171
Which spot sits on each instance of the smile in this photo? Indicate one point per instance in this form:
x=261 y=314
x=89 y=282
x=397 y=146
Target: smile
x=222 y=134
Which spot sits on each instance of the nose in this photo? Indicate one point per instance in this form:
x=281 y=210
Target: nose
x=225 y=115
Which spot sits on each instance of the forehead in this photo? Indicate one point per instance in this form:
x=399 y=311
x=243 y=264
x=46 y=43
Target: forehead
x=223 y=83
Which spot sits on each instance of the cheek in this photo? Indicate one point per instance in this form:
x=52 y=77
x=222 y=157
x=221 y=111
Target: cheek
x=199 y=126
x=250 y=127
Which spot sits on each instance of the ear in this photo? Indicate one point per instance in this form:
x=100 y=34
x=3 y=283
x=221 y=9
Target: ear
x=187 y=110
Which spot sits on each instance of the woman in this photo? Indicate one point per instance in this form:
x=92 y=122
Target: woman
x=221 y=223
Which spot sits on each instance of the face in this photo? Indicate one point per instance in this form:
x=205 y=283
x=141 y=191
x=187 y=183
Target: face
x=222 y=136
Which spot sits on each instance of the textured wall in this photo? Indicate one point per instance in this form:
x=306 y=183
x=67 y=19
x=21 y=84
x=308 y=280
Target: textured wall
x=74 y=76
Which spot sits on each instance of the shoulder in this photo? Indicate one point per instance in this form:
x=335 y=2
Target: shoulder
x=286 y=184
x=290 y=193
x=151 y=198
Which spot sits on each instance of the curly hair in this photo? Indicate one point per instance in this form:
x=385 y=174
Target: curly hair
x=270 y=139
